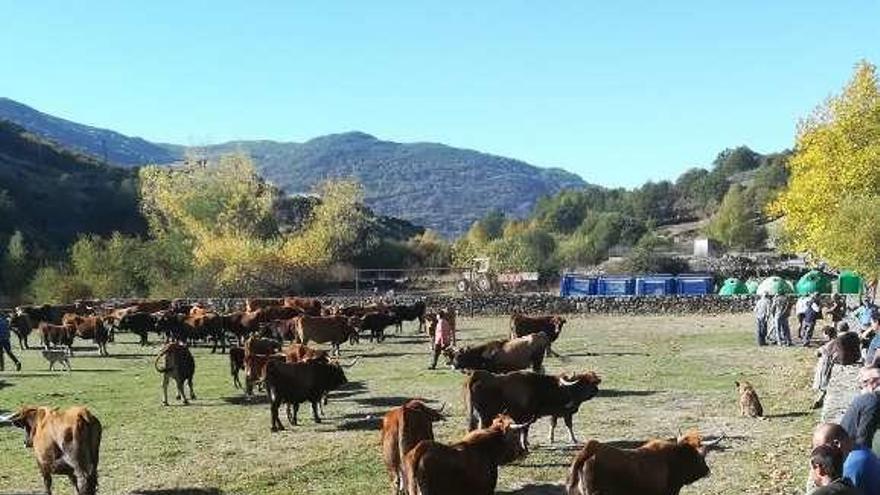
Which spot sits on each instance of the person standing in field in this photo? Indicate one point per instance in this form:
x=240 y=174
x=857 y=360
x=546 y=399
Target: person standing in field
x=800 y=310
x=811 y=316
x=781 y=311
x=6 y=345
x=762 y=315
x=444 y=336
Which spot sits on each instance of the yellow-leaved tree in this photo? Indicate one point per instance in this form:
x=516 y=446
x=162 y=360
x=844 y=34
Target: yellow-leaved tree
x=831 y=204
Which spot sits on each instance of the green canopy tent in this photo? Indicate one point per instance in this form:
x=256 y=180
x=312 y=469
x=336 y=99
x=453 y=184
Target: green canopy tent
x=732 y=287
x=849 y=283
x=752 y=285
x=775 y=285
x=813 y=281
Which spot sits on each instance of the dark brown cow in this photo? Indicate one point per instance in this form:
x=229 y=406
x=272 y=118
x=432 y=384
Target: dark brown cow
x=500 y=356
x=307 y=305
x=402 y=429
x=297 y=353
x=659 y=467
x=527 y=396
x=409 y=312
x=375 y=323
x=255 y=369
x=88 y=328
x=236 y=364
x=55 y=335
x=333 y=330
x=21 y=326
x=179 y=365
x=467 y=467
x=551 y=326
x=65 y=441
x=295 y=383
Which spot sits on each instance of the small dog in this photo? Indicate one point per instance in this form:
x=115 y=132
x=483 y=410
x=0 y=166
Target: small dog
x=749 y=404
x=57 y=356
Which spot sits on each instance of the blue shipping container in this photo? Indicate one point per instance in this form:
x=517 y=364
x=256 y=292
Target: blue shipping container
x=617 y=286
x=655 y=286
x=577 y=285
x=695 y=286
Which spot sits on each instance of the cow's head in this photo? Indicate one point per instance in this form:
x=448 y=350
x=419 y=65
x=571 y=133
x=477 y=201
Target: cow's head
x=334 y=376
x=581 y=387
x=422 y=408
x=515 y=438
x=27 y=418
x=689 y=463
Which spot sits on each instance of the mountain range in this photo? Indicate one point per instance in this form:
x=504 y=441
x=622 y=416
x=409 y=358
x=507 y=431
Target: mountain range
x=440 y=187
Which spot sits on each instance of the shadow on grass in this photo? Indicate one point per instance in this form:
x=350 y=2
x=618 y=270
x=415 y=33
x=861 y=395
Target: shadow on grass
x=391 y=401
x=792 y=414
x=611 y=392
x=3 y=385
x=348 y=390
x=243 y=400
x=180 y=491
x=596 y=354
x=363 y=424
x=94 y=370
x=542 y=489
x=130 y=356
x=397 y=354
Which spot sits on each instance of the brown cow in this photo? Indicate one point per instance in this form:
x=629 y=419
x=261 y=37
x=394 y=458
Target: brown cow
x=402 y=429
x=236 y=364
x=307 y=305
x=65 y=441
x=499 y=356
x=659 y=467
x=254 y=303
x=88 y=328
x=551 y=326
x=333 y=330
x=55 y=335
x=297 y=353
x=179 y=365
x=255 y=369
x=469 y=466
x=151 y=306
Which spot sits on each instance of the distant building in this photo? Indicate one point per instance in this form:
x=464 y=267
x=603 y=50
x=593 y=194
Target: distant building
x=705 y=248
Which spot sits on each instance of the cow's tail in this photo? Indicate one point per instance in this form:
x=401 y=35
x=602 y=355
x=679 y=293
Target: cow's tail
x=573 y=483
x=89 y=438
x=159 y=356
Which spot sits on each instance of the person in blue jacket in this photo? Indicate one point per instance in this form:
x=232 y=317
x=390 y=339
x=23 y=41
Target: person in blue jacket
x=6 y=345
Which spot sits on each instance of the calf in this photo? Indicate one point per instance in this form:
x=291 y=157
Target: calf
x=659 y=467
x=527 y=396
x=65 y=441
x=499 y=356
x=236 y=364
x=295 y=383
x=551 y=326
x=376 y=323
x=402 y=429
x=90 y=328
x=179 y=365
x=467 y=467
x=21 y=325
x=55 y=335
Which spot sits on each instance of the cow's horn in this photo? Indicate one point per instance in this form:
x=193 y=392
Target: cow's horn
x=352 y=363
x=566 y=382
x=712 y=443
x=6 y=420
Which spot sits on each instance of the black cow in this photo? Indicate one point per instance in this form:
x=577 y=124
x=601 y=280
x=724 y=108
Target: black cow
x=22 y=326
x=180 y=365
x=409 y=312
x=526 y=396
x=139 y=324
x=376 y=323
x=295 y=383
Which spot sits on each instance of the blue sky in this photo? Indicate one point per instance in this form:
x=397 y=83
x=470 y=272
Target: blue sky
x=618 y=92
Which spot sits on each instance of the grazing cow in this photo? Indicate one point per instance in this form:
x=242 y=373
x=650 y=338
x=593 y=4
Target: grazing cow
x=376 y=323
x=306 y=305
x=333 y=330
x=410 y=312
x=65 y=441
x=551 y=326
x=88 y=328
x=21 y=326
x=255 y=303
x=402 y=429
x=179 y=365
x=469 y=466
x=527 y=396
x=139 y=324
x=295 y=383
x=659 y=467
x=55 y=335
x=236 y=364
x=501 y=356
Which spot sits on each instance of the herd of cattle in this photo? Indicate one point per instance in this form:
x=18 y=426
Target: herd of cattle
x=271 y=346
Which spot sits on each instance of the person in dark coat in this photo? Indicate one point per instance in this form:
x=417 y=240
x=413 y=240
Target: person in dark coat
x=6 y=345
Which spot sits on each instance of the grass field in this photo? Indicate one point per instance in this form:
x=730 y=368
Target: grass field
x=661 y=375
